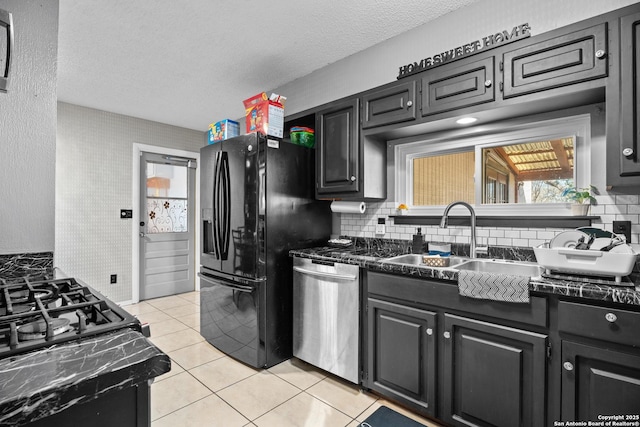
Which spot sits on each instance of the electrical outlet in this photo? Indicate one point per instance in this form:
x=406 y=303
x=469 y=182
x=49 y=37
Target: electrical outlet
x=114 y=279
x=623 y=227
x=380 y=229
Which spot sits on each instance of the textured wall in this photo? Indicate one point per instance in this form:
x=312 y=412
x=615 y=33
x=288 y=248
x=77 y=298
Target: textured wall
x=379 y=64
x=28 y=130
x=93 y=182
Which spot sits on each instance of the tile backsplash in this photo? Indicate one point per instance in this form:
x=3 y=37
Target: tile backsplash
x=609 y=208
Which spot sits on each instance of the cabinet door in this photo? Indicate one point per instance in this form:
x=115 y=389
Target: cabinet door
x=571 y=58
x=393 y=104
x=401 y=354
x=454 y=86
x=337 y=158
x=630 y=95
x=493 y=375
x=596 y=382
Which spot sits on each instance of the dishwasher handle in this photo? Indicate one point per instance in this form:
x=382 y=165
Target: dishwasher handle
x=324 y=274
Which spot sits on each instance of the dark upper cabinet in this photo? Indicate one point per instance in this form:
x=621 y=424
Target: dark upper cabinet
x=401 y=361
x=493 y=375
x=597 y=381
x=393 y=103
x=625 y=152
x=337 y=144
x=460 y=84
x=559 y=61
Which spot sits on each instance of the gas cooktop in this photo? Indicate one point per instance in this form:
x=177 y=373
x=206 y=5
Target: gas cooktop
x=36 y=314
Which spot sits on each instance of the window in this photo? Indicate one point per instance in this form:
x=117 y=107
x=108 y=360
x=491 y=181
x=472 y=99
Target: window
x=504 y=170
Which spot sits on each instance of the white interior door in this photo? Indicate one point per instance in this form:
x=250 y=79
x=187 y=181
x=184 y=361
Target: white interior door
x=167 y=224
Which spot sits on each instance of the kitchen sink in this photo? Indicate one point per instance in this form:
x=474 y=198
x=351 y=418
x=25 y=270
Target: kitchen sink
x=501 y=267
x=416 y=259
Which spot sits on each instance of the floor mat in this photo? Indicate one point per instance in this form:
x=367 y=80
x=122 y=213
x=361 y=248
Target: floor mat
x=385 y=417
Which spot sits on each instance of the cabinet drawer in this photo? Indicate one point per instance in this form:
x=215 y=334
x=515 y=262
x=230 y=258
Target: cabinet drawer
x=571 y=58
x=457 y=86
x=614 y=325
x=393 y=104
x=445 y=294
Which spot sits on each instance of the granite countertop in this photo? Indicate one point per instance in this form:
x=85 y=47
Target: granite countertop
x=47 y=381
x=370 y=255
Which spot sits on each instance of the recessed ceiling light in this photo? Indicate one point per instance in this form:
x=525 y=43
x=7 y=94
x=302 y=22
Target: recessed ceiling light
x=466 y=120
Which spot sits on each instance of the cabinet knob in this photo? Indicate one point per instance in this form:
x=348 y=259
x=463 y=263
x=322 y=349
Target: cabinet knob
x=488 y=83
x=568 y=366
x=409 y=103
x=429 y=331
x=610 y=317
x=627 y=152
x=600 y=53
x=447 y=334
x=353 y=178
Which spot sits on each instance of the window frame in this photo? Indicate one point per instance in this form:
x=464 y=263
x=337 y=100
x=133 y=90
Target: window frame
x=479 y=137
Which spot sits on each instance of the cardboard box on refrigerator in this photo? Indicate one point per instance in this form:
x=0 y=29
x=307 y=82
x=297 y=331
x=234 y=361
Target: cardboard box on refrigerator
x=266 y=115
x=224 y=129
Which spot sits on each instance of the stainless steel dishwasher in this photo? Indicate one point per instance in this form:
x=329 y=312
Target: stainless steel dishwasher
x=326 y=304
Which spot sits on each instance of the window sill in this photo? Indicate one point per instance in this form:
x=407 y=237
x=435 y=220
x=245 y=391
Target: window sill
x=500 y=221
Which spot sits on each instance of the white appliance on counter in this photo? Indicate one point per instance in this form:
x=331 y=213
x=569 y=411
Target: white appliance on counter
x=326 y=309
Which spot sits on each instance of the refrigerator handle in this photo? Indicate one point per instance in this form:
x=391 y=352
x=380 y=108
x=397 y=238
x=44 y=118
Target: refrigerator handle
x=216 y=205
x=226 y=226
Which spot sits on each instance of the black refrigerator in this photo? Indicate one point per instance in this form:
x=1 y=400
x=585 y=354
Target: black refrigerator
x=257 y=196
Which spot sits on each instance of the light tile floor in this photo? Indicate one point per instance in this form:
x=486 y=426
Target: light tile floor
x=207 y=388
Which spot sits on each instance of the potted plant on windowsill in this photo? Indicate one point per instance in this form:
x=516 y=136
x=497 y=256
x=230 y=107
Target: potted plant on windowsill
x=402 y=209
x=582 y=199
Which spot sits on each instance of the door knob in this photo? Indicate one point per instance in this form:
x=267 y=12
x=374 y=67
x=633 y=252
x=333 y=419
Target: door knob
x=353 y=178
x=429 y=331
x=627 y=152
x=409 y=103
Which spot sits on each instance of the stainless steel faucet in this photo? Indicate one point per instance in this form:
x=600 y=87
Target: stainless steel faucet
x=443 y=224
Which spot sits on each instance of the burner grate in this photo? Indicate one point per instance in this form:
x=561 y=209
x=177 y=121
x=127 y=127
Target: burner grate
x=35 y=314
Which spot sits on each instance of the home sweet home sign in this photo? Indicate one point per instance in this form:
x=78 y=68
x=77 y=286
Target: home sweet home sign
x=489 y=42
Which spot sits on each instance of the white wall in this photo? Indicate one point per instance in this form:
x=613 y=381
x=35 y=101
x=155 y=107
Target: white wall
x=379 y=64
x=93 y=182
x=28 y=130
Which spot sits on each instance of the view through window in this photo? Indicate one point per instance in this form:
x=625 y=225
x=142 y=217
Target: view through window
x=535 y=172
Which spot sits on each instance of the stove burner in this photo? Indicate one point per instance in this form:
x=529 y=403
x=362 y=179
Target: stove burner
x=38 y=329
x=16 y=309
x=23 y=295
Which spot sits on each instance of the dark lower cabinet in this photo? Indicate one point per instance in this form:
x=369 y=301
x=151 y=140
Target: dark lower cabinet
x=493 y=375
x=402 y=353
x=598 y=381
x=129 y=407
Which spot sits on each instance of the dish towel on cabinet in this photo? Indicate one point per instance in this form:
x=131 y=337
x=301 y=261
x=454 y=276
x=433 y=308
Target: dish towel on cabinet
x=497 y=287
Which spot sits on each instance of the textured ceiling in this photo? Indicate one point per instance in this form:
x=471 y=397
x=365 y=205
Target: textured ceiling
x=184 y=62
